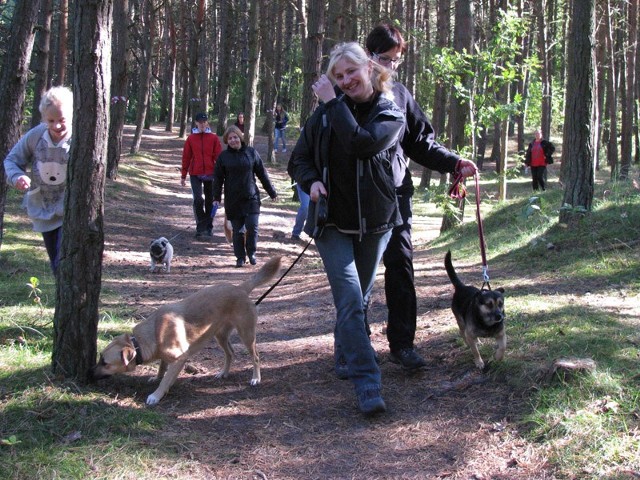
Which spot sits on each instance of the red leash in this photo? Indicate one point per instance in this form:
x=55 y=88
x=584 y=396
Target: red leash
x=459 y=191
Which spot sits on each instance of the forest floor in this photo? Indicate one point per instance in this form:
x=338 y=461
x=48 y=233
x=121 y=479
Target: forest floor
x=446 y=421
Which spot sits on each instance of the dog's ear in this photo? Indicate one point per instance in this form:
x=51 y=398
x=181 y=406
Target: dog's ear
x=164 y=242
x=500 y=289
x=128 y=354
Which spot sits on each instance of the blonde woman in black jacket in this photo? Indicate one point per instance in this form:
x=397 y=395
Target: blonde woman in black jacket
x=345 y=154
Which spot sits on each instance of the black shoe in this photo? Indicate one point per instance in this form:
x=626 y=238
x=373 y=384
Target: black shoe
x=199 y=234
x=408 y=359
x=341 y=369
x=252 y=259
x=370 y=402
x=240 y=263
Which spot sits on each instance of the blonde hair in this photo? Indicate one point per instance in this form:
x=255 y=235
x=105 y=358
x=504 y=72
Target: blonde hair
x=381 y=77
x=61 y=97
x=229 y=131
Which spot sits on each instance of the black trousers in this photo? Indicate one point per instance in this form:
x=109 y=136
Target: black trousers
x=539 y=178
x=399 y=281
x=52 y=242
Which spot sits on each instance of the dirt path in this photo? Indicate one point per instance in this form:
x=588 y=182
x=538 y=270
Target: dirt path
x=445 y=422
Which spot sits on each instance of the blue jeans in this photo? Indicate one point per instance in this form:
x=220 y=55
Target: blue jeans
x=301 y=216
x=279 y=132
x=202 y=191
x=245 y=235
x=351 y=265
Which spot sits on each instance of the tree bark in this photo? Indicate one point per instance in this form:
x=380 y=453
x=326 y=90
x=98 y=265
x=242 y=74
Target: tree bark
x=119 y=85
x=628 y=99
x=75 y=320
x=463 y=40
x=40 y=62
x=63 y=38
x=577 y=168
x=252 y=73
x=147 y=37
x=13 y=81
x=312 y=53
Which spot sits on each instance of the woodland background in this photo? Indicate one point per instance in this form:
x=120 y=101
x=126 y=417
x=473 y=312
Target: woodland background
x=484 y=70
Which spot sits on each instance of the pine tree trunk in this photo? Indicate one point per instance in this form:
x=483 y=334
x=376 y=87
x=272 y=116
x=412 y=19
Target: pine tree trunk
x=119 y=85
x=75 y=321
x=252 y=73
x=40 y=63
x=463 y=39
x=13 y=81
x=577 y=168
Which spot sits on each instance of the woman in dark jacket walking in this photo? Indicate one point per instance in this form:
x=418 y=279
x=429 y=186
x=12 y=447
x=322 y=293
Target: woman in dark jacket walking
x=345 y=154
x=539 y=154
x=237 y=168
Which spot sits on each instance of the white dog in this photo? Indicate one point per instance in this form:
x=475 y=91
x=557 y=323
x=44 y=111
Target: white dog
x=161 y=252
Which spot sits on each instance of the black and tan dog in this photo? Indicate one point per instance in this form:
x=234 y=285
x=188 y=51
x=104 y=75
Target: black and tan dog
x=479 y=313
x=177 y=331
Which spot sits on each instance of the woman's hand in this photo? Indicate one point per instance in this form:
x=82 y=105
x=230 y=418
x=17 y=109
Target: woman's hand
x=467 y=168
x=317 y=189
x=323 y=88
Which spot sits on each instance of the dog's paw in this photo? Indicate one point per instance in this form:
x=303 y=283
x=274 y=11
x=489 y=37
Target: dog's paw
x=152 y=400
x=221 y=374
x=254 y=382
x=479 y=364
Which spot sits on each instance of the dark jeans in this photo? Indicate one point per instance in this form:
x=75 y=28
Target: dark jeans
x=399 y=281
x=245 y=235
x=202 y=205
x=539 y=177
x=52 y=240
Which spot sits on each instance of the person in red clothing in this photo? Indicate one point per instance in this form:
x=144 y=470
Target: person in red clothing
x=538 y=156
x=199 y=157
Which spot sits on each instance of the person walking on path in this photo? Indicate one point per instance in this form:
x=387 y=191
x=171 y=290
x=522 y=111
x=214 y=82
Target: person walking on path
x=199 y=157
x=386 y=46
x=301 y=214
x=281 y=119
x=343 y=155
x=236 y=170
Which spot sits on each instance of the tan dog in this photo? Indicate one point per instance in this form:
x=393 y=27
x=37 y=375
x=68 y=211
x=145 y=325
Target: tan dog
x=228 y=229
x=175 y=332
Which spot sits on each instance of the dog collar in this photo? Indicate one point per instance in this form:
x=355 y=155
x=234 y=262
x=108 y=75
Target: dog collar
x=136 y=345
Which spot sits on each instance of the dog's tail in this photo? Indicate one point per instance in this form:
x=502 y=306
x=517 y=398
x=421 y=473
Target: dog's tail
x=266 y=272
x=451 y=272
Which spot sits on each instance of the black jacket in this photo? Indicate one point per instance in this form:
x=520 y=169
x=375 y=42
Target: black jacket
x=237 y=171
x=547 y=148
x=351 y=148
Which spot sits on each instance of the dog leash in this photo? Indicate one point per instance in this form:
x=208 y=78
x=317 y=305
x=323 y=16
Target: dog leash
x=284 y=274
x=459 y=191
x=179 y=233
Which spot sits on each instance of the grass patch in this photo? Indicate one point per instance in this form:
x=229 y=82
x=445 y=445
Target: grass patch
x=567 y=295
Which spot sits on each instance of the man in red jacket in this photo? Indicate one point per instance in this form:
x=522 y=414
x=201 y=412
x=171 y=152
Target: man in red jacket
x=199 y=156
